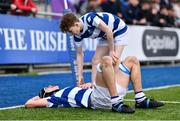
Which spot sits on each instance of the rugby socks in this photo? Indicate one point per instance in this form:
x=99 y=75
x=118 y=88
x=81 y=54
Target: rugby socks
x=116 y=99
x=140 y=96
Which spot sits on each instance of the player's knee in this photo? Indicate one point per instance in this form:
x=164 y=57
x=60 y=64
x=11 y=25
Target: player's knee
x=131 y=60
x=106 y=61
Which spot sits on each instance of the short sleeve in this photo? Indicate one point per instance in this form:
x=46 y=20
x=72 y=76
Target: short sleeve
x=78 y=41
x=93 y=20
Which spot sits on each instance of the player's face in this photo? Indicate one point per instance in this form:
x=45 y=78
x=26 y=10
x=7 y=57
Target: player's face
x=75 y=30
x=51 y=88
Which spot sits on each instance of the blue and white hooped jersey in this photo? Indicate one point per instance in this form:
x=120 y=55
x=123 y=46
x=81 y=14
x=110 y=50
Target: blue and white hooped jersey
x=91 y=22
x=70 y=97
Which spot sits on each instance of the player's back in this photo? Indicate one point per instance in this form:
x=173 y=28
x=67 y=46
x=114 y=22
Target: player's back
x=113 y=21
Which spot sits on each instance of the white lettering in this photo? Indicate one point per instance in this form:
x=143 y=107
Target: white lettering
x=10 y=39
x=20 y=38
x=62 y=42
x=40 y=40
x=47 y=40
x=156 y=43
x=33 y=46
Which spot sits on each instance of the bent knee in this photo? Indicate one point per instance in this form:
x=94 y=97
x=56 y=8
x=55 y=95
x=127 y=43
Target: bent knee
x=106 y=60
x=130 y=60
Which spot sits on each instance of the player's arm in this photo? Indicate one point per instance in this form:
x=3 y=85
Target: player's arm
x=109 y=34
x=80 y=57
x=110 y=39
x=36 y=102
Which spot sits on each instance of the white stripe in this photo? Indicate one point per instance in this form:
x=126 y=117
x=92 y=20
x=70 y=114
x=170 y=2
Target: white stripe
x=138 y=95
x=122 y=67
x=111 y=21
x=121 y=25
x=59 y=93
x=85 y=98
x=71 y=97
x=96 y=21
x=156 y=88
x=96 y=32
x=170 y=102
x=12 y=107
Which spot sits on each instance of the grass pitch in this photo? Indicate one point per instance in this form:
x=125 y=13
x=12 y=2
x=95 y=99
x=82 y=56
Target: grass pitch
x=171 y=111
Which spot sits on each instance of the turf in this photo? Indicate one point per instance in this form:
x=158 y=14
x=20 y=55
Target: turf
x=168 y=112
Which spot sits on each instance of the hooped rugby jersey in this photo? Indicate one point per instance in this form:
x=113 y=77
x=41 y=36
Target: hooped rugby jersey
x=70 y=97
x=91 y=21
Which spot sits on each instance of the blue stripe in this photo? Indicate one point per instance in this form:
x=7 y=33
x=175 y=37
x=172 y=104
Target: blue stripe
x=106 y=18
x=79 y=96
x=89 y=101
x=91 y=16
x=114 y=97
x=54 y=101
x=125 y=68
x=77 y=39
x=138 y=92
x=64 y=97
x=82 y=19
x=116 y=23
x=127 y=71
x=87 y=18
x=88 y=32
x=101 y=34
x=119 y=32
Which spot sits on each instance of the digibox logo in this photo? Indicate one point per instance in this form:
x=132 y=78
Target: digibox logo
x=160 y=43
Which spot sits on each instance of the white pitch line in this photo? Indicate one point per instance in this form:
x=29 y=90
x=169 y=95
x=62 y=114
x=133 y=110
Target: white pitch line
x=156 y=88
x=170 y=102
x=12 y=107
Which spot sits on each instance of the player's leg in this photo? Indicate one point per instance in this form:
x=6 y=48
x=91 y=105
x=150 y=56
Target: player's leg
x=107 y=77
x=105 y=80
x=141 y=100
x=100 y=52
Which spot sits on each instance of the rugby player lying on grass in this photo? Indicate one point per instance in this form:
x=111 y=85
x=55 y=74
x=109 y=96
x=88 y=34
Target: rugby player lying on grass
x=106 y=93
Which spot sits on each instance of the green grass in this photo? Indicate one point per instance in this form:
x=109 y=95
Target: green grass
x=28 y=74
x=168 y=112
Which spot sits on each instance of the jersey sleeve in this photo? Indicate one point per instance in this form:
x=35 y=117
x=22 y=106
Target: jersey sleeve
x=78 y=41
x=93 y=20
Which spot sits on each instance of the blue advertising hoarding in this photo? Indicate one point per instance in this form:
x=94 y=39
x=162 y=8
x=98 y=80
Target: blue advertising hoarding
x=33 y=40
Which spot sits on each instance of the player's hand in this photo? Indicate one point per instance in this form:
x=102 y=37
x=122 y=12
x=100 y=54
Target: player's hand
x=114 y=57
x=86 y=85
x=80 y=81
